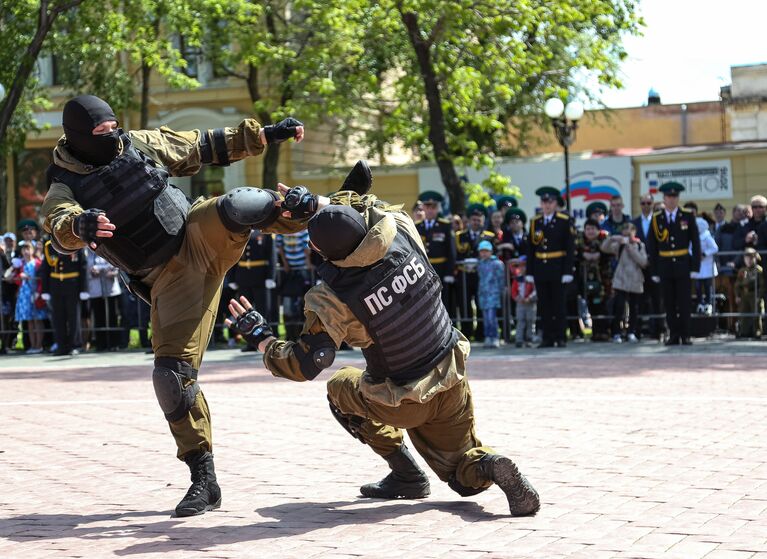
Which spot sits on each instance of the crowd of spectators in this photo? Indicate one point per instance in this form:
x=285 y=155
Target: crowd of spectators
x=486 y=288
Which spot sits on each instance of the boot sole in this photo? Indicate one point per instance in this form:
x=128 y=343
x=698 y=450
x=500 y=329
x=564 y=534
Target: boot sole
x=194 y=512
x=523 y=498
x=417 y=493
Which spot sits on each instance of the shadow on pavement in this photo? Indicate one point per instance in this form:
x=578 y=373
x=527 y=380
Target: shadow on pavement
x=288 y=519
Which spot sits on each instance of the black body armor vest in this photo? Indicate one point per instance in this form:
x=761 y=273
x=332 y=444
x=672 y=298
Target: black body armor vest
x=149 y=214
x=398 y=300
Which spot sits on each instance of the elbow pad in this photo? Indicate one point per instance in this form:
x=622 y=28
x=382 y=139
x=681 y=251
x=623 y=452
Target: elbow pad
x=214 y=141
x=319 y=355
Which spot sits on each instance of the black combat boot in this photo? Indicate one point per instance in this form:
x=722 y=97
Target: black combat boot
x=523 y=499
x=204 y=494
x=359 y=179
x=406 y=480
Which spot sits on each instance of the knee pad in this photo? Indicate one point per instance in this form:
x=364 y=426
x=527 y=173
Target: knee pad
x=462 y=490
x=246 y=207
x=168 y=377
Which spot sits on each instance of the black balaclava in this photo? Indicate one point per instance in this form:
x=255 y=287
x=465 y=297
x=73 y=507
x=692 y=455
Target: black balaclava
x=336 y=231
x=81 y=115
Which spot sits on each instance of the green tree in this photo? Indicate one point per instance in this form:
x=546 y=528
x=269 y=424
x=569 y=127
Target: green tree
x=296 y=57
x=454 y=73
x=111 y=49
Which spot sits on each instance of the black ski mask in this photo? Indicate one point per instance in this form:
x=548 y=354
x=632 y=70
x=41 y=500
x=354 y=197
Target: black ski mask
x=81 y=115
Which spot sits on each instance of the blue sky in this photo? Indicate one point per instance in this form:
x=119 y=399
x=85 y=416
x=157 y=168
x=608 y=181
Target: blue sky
x=687 y=49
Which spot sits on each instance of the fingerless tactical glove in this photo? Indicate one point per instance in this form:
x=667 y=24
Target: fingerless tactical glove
x=283 y=130
x=86 y=224
x=253 y=327
x=300 y=202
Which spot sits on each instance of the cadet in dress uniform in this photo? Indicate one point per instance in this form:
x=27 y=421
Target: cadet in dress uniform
x=673 y=235
x=253 y=275
x=466 y=243
x=64 y=284
x=550 y=260
x=438 y=238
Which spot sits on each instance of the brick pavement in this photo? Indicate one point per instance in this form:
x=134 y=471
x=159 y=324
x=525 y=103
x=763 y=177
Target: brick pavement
x=636 y=452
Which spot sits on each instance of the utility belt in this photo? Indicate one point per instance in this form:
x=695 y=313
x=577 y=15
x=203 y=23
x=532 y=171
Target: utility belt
x=61 y=276
x=252 y=263
x=673 y=253
x=550 y=255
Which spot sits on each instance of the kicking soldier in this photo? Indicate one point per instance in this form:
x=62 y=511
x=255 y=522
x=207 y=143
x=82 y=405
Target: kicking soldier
x=110 y=190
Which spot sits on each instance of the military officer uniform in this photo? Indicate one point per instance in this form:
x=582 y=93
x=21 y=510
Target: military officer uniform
x=673 y=235
x=466 y=243
x=550 y=263
x=64 y=279
x=254 y=274
x=379 y=294
x=439 y=239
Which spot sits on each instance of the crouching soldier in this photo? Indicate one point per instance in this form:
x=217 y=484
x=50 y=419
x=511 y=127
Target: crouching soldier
x=379 y=293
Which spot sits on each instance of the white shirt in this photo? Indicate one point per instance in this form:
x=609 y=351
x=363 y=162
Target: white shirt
x=646 y=219
x=671 y=216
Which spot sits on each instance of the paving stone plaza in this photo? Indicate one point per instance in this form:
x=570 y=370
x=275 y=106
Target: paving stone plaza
x=640 y=451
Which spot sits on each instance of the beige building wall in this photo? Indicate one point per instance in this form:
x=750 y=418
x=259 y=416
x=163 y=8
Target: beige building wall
x=636 y=127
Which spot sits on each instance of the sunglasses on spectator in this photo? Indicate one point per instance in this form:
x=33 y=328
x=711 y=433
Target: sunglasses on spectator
x=757 y=207
x=646 y=203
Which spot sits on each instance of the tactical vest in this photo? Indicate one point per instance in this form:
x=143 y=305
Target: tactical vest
x=149 y=214
x=398 y=300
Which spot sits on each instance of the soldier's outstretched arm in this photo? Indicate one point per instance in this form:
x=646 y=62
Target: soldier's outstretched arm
x=184 y=153
x=299 y=361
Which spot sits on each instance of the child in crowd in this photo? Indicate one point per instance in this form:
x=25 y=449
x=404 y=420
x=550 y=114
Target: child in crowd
x=491 y=287
x=524 y=294
x=704 y=279
x=749 y=291
x=628 y=279
x=30 y=306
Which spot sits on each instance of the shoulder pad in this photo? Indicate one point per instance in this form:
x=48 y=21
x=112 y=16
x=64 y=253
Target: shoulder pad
x=685 y=210
x=563 y=215
x=537 y=216
x=657 y=212
x=419 y=222
x=443 y=220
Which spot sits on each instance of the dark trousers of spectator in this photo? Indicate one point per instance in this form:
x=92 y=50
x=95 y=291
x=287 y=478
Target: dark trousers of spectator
x=571 y=308
x=469 y=293
x=725 y=284
x=678 y=301
x=134 y=313
x=551 y=307
x=260 y=298
x=704 y=291
x=66 y=321
x=105 y=316
x=222 y=314
x=450 y=301
x=651 y=302
x=600 y=327
x=620 y=300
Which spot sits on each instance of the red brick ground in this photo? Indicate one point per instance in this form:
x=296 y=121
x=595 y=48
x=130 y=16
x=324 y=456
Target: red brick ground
x=635 y=452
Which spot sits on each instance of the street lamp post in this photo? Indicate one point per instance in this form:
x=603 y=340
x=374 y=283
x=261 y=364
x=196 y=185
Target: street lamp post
x=565 y=121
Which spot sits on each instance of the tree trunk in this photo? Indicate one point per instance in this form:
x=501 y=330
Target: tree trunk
x=146 y=72
x=437 y=135
x=26 y=66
